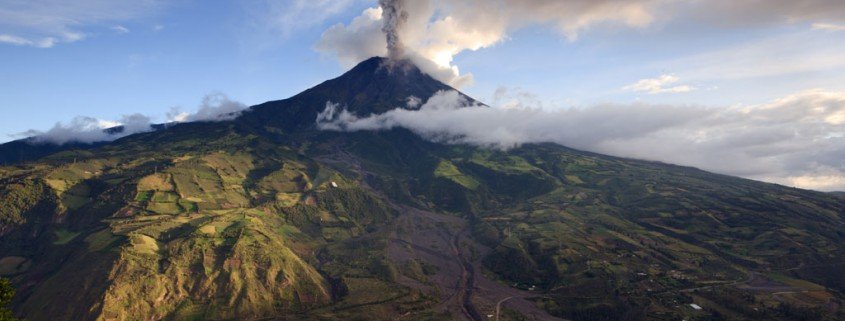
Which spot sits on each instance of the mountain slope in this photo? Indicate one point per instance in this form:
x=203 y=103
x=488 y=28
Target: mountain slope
x=265 y=217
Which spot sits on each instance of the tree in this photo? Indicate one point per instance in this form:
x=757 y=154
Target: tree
x=7 y=292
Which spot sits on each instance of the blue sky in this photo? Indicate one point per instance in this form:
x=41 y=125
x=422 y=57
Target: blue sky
x=170 y=57
x=106 y=59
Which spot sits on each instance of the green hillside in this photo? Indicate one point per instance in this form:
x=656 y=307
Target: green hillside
x=265 y=218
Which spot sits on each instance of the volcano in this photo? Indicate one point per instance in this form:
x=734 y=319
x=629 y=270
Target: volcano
x=265 y=217
x=372 y=87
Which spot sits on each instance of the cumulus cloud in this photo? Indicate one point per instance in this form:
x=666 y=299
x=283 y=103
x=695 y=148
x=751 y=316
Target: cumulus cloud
x=430 y=41
x=434 y=31
x=356 y=42
x=660 y=85
x=214 y=107
x=91 y=130
x=798 y=140
x=438 y=30
x=46 y=23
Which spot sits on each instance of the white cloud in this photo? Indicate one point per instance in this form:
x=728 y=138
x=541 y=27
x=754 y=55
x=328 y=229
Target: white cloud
x=214 y=107
x=84 y=129
x=660 y=85
x=18 y=41
x=45 y=23
x=798 y=140
x=359 y=40
x=90 y=130
x=120 y=29
x=828 y=27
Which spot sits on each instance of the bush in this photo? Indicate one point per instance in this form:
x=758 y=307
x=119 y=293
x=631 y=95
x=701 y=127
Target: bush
x=7 y=292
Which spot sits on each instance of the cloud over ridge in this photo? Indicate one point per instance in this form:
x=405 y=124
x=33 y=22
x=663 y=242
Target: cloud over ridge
x=214 y=107
x=798 y=140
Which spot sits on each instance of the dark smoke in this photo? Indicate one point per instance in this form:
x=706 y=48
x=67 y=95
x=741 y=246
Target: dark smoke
x=394 y=17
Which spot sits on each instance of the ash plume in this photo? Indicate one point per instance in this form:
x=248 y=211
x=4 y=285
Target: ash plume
x=394 y=17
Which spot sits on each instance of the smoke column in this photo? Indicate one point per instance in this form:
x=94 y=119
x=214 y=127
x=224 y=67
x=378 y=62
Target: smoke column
x=394 y=17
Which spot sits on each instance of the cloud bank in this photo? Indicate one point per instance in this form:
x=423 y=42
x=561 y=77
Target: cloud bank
x=83 y=129
x=89 y=130
x=435 y=31
x=798 y=140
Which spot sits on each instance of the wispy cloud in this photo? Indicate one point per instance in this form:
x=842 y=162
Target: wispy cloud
x=46 y=23
x=778 y=55
x=828 y=27
x=285 y=18
x=120 y=29
x=660 y=85
x=19 y=41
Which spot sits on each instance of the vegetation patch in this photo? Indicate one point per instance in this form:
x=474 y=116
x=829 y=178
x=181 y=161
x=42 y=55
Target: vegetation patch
x=100 y=240
x=156 y=182
x=64 y=236
x=448 y=170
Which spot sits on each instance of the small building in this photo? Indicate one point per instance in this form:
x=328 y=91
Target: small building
x=695 y=306
x=334 y=184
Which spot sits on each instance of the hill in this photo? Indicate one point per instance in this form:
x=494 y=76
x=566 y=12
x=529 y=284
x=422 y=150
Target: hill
x=264 y=217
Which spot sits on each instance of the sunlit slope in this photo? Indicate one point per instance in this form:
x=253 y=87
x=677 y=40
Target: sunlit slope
x=224 y=234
